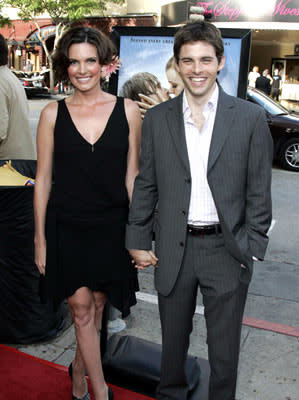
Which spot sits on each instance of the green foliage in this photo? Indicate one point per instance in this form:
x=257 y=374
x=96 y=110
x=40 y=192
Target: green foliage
x=59 y=10
x=3 y=20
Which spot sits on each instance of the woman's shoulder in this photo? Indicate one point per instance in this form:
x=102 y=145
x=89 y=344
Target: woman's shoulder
x=130 y=105
x=50 y=111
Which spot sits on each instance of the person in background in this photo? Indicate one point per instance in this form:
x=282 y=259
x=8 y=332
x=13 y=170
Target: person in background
x=28 y=66
x=263 y=83
x=253 y=75
x=276 y=85
x=16 y=138
x=91 y=140
x=268 y=75
x=176 y=85
x=205 y=162
x=145 y=89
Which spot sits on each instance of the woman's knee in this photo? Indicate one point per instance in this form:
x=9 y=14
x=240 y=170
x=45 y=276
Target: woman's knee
x=82 y=313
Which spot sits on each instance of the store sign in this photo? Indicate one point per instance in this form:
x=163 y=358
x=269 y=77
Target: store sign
x=235 y=10
x=252 y=10
x=45 y=32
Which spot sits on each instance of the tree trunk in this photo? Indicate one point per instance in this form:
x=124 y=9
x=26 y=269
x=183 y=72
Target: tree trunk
x=52 y=91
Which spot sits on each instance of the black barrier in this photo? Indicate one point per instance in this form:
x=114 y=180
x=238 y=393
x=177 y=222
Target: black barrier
x=23 y=319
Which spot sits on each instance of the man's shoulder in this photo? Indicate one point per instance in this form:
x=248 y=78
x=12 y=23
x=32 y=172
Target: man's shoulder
x=241 y=105
x=164 y=106
x=9 y=80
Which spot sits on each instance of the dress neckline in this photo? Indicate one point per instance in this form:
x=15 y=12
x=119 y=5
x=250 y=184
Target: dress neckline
x=79 y=133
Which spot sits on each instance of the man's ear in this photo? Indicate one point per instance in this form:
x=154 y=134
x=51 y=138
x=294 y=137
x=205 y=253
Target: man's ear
x=221 y=64
x=176 y=66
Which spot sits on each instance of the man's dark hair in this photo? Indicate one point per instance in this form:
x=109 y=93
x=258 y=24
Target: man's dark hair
x=81 y=34
x=195 y=31
x=3 y=51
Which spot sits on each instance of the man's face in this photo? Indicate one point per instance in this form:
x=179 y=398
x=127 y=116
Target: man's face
x=198 y=67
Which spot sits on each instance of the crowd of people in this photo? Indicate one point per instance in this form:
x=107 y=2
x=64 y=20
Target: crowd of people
x=192 y=154
x=271 y=85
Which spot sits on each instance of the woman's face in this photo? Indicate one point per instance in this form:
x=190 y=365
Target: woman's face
x=176 y=84
x=84 y=70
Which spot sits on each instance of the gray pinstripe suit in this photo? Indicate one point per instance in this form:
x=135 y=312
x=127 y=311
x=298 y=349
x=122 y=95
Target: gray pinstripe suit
x=239 y=176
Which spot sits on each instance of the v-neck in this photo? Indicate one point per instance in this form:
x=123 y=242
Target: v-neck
x=79 y=133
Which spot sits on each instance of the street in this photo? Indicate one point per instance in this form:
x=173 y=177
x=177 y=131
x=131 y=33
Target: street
x=269 y=350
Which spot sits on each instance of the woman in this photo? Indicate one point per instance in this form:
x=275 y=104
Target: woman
x=93 y=139
x=176 y=85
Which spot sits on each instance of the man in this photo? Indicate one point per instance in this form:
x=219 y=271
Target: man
x=28 y=66
x=16 y=139
x=253 y=75
x=206 y=160
x=263 y=83
x=276 y=85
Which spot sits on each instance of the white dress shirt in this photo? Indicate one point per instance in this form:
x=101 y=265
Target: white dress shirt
x=202 y=210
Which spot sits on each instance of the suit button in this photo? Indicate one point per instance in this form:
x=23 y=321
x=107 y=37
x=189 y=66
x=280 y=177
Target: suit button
x=183 y=212
x=182 y=244
x=188 y=180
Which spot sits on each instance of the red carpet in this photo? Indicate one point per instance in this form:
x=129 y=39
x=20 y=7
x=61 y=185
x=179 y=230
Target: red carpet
x=24 y=377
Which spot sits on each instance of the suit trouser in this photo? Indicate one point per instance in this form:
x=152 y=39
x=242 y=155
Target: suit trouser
x=206 y=264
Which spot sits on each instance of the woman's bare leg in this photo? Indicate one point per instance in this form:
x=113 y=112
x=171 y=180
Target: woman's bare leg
x=87 y=309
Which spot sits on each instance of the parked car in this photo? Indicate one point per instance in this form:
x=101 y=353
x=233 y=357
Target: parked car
x=34 y=83
x=284 y=127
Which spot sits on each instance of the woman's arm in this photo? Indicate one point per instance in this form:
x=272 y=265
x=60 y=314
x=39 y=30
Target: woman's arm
x=43 y=180
x=134 y=120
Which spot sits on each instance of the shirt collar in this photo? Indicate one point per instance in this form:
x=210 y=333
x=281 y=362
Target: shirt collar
x=210 y=106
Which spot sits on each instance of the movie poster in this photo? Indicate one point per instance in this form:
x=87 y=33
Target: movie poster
x=151 y=54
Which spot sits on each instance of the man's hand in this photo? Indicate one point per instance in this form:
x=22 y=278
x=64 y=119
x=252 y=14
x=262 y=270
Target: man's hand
x=143 y=258
x=147 y=102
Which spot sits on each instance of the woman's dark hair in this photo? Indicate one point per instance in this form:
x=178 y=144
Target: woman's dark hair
x=3 y=51
x=143 y=82
x=81 y=34
x=195 y=31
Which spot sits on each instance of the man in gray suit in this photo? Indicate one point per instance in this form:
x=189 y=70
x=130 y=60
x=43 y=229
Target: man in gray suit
x=206 y=161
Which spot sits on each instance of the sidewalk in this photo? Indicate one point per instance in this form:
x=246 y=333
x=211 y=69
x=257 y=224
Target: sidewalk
x=269 y=361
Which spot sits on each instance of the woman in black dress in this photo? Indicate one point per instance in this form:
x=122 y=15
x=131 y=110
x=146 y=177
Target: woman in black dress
x=90 y=141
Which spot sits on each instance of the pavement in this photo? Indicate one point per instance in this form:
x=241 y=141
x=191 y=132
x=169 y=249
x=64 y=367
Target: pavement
x=269 y=362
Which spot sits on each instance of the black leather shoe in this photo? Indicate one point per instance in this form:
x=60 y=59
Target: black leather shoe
x=85 y=397
x=71 y=371
x=110 y=394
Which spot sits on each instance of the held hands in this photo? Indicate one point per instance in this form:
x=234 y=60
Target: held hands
x=143 y=258
x=40 y=255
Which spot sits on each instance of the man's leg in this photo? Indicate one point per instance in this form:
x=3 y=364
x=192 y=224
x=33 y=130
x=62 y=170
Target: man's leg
x=176 y=313
x=224 y=298
x=224 y=321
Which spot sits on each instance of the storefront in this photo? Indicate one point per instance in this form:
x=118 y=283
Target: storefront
x=24 y=44
x=274 y=25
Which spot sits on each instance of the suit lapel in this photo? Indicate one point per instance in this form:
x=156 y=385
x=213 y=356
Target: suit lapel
x=176 y=126
x=223 y=124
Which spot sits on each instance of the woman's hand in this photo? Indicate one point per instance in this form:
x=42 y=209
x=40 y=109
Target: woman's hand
x=40 y=255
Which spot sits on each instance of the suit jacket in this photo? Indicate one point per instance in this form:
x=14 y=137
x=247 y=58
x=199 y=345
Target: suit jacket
x=239 y=176
x=263 y=83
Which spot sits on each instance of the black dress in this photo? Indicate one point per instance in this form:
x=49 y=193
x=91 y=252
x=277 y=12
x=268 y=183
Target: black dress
x=88 y=212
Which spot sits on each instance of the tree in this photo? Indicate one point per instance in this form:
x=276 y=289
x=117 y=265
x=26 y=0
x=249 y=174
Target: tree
x=62 y=12
x=3 y=20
